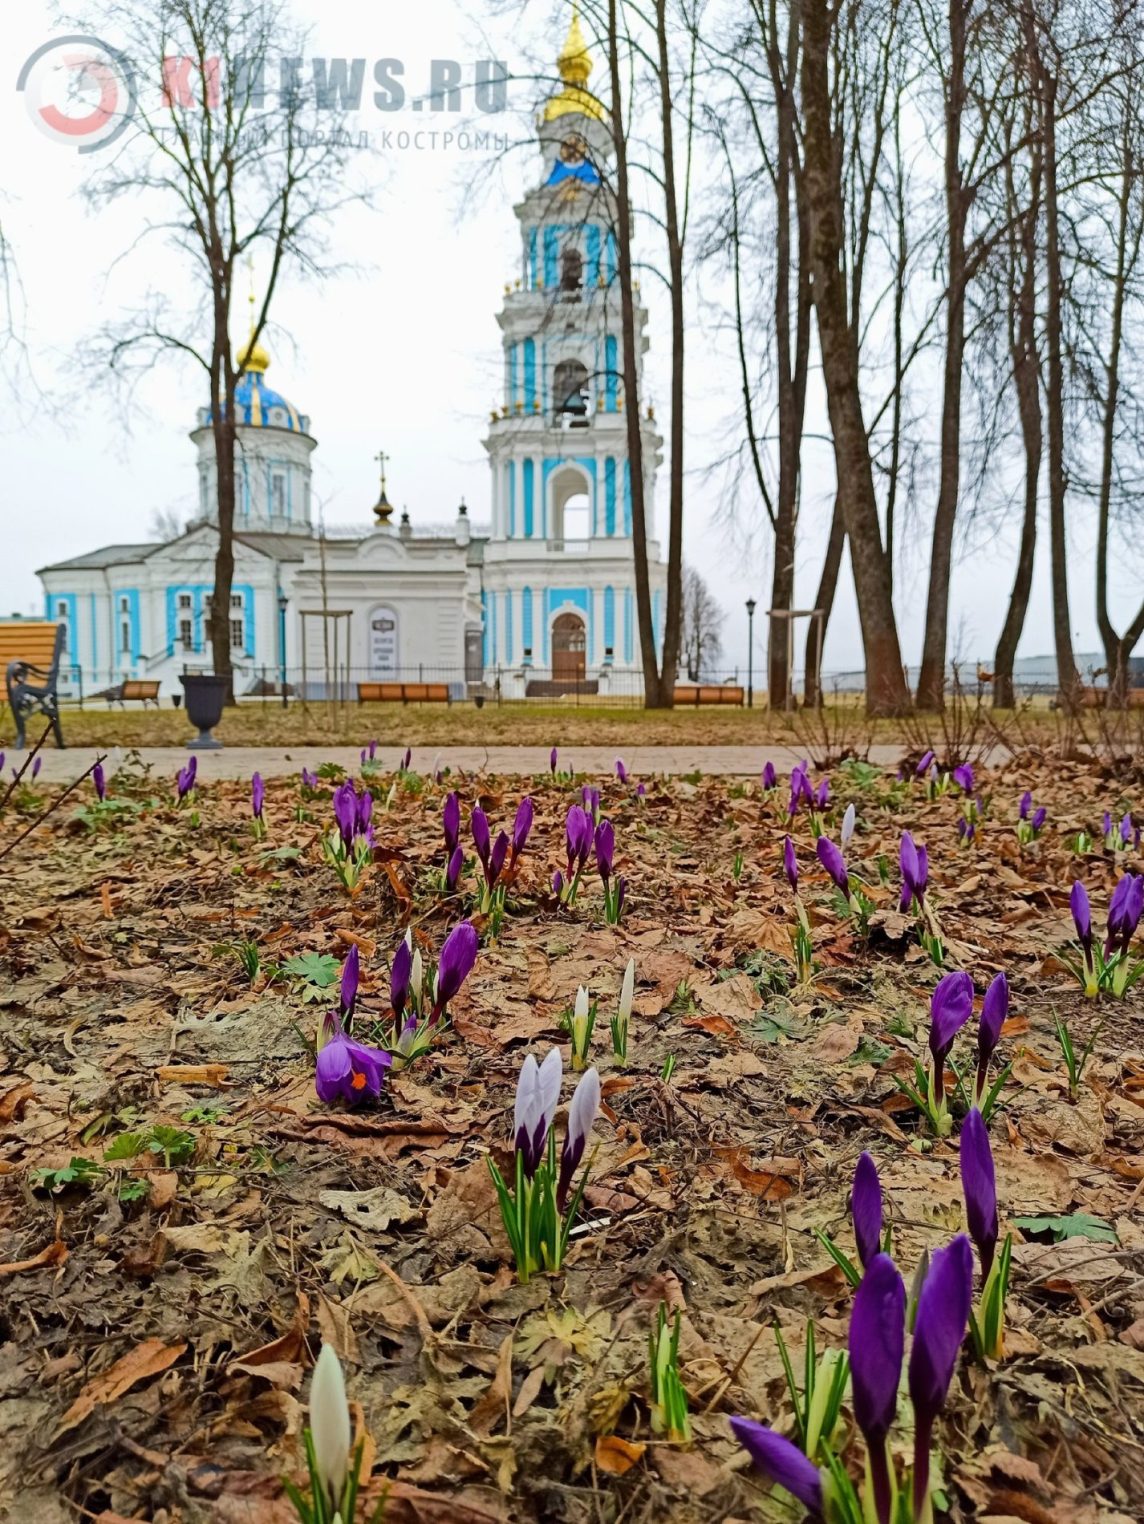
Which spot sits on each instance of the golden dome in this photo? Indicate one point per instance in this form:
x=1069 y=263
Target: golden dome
x=575 y=65
x=252 y=357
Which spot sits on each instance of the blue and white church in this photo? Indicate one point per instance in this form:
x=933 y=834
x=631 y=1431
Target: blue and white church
x=540 y=601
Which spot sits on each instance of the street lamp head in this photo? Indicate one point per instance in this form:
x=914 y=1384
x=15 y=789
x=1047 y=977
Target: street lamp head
x=282 y=602
x=750 y=607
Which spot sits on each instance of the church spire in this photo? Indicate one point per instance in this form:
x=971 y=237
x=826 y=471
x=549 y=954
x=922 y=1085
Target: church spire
x=575 y=65
x=383 y=508
x=252 y=357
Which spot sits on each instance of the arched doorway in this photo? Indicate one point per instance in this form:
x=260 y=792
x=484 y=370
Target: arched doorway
x=569 y=649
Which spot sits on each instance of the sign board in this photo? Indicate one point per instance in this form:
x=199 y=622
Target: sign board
x=383 y=646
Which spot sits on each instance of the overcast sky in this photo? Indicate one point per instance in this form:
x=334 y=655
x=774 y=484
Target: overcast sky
x=404 y=354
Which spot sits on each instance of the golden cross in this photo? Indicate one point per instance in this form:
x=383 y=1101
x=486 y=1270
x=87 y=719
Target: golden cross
x=381 y=457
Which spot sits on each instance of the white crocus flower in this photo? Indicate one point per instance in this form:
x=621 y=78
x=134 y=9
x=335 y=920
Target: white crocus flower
x=330 y=1424
x=627 y=990
x=848 y=821
x=581 y=1026
x=416 y=980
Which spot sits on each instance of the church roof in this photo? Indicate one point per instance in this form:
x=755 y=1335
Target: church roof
x=258 y=406
x=109 y=555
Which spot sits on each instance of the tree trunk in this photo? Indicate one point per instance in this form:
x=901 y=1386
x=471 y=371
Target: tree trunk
x=827 y=587
x=886 y=690
x=671 y=625
x=653 y=697
x=931 y=678
x=224 y=432
x=1026 y=383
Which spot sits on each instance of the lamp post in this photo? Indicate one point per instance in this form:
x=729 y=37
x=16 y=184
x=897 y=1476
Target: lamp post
x=282 y=600
x=750 y=653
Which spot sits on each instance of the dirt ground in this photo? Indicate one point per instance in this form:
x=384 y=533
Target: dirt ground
x=162 y=1304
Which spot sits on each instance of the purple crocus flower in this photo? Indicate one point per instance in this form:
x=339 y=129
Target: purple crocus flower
x=346 y=1069
x=407 y=759
x=966 y=829
x=950 y=1008
x=822 y=798
x=3 y=756
x=351 y=977
x=790 y=863
x=621 y=770
x=578 y=838
x=497 y=858
x=877 y=1341
x=346 y=812
x=100 y=782
x=537 y=1092
x=924 y=765
x=782 y=1460
x=963 y=777
x=641 y=792
x=1040 y=815
x=39 y=762
x=558 y=883
x=1082 y=916
x=770 y=781
x=399 y=972
x=453 y=871
x=457 y=958
x=309 y=779
x=835 y=864
x=481 y=839
x=552 y=755
x=363 y=810
x=1126 y=829
x=912 y=887
x=939 y=1328
x=1025 y=806
x=257 y=795
x=979 y=1184
x=185 y=778
x=1124 y=912
x=605 y=849
x=522 y=825
x=581 y=1114
x=866 y=1209
x=994 y=1011
x=451 y=822
x=591 y=800
x=1106 y=825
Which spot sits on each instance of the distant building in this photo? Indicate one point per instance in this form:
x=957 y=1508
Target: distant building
x=543 y=601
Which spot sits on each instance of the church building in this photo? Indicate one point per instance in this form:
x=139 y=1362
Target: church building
x=539 y=602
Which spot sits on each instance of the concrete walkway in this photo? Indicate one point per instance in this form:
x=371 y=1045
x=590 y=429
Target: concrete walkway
x=275 y=762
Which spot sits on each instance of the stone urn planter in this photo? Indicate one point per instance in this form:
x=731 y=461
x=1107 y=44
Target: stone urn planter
x=206 y=695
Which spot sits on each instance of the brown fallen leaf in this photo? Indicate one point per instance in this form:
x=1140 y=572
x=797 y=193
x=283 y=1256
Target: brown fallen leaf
x=13 y=1101
x=194 y=1074
x=146 y=1359
x=616 y=1456
x=54 y=1254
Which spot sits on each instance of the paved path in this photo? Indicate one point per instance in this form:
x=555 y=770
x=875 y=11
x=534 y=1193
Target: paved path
x=274 y=762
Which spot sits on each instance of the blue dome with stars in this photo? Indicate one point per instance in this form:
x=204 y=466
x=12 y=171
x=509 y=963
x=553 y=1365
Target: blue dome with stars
x=257 y=405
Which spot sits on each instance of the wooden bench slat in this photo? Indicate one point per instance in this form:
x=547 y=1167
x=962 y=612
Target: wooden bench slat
x=403 y=693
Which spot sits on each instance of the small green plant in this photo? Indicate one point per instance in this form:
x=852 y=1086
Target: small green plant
x=206 y=1116
x=987 y=1324
x=1074 y=1064
x=133 y=1190
x=175 y=1145
x=737 y=866
x=668 y=1068
x=311 y=974
x=79 y=1172
x=818 y=1404
x=668 y=1394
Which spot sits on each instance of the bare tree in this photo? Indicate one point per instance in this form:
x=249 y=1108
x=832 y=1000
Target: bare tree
x=701 y=638
x=166 y=524
x=232 y=165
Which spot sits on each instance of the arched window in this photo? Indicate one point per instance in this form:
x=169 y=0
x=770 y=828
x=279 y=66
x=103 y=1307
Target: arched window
x=570 y=512
x=570 y=392
x=571 y=272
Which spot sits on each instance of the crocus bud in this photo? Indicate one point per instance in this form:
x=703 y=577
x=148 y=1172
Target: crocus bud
x=950 y=1008
x=963 y=777
x=908 y=863
x=453 y=871
x=330 y=1425
x=979 y=1184
x=1025 y=806
x=1126 y=828
x=351 y=974
x=605 y=849
x=399 y=974
x=481 y=841
x=552 y=761
x=407 y=759
x=822 y=797
x=770 y=778
x=257 y=795
x=558 y=883
x=627 y=991
x=866 y=1209
x=877 y=1342
x=457 y=958
x=1082 y=916
x=497 y=858
x=848 y=822
x=994 y=1012
x=939 y=1329
x=580 y=1015
x=1040 y=815
x=99 y=782
x=782 y=1460
x=537 y=1092
x=925 y=764
x=581 y=1115
x=39 y=762
x=621 y=770
x=417 y=978
x=451 y=820
x=522 y=825
x=790 y=863
x=835 y=864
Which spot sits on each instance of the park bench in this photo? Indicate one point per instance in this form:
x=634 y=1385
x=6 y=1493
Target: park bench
x=404 y=693
x=1096 y=698
x=136 y=689
x=712 y=693
x=30 y=650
